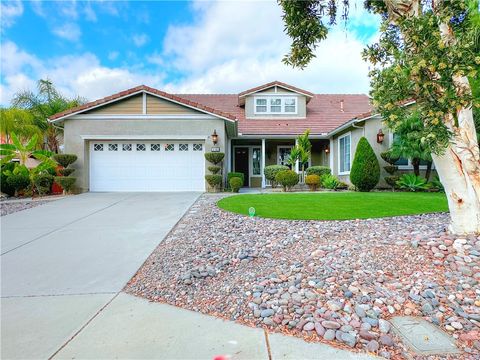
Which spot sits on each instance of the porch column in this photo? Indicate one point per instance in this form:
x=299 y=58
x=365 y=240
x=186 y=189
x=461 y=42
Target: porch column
x=330 y=155
x=263 y=164
x=297 y=163
x=229 y=155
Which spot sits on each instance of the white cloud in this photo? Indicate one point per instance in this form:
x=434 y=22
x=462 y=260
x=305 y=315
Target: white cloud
x=68 y=8
x=113 y=55
x=81 y=74
x=68 y=31
x=10 y=11
x=140 y=39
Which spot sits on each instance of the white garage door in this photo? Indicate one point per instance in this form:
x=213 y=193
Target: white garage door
x=147 y=166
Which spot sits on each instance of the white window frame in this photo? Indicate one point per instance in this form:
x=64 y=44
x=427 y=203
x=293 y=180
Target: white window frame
x=278 y=152
x=409 y=166
x=282 y=104
x=348 y=134
x=250 y=159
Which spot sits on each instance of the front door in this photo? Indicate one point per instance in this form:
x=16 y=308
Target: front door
x=241 y=162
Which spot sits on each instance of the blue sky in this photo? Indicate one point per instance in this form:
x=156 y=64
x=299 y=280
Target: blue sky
x=95 y=48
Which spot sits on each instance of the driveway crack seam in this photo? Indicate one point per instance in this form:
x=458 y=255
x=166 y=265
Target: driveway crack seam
x=52 y=295
x=63 y=226
x=267 y=343
x=84 y=326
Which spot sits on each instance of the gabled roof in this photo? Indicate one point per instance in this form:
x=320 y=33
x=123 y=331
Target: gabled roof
x=276 y=83
x=136 y=90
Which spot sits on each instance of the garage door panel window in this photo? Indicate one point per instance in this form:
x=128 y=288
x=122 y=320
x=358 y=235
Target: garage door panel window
x=197 y=147
x=141 y=147
x=98 y=147
x=155 y=147
x=112 y=147
x=126 y=147
x=183 y=147
x=169 y=147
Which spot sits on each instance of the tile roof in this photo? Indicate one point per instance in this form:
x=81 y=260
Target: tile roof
x=324 y=113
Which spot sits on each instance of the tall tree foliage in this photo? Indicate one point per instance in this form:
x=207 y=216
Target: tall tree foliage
x=45 y=102
x=427 y=52
x=18 y=121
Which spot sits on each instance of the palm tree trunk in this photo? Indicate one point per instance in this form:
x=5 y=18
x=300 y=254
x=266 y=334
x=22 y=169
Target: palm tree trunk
x=428 y=172
x=416 y=166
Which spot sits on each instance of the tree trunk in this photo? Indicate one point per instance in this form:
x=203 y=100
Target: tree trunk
x=459 y=167
x=428 y=172
x=416 y=166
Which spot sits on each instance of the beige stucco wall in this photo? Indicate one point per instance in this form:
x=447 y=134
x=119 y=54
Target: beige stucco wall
x=77 y=130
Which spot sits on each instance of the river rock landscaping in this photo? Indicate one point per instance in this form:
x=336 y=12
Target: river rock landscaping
x=330 y=281
x=12 y=206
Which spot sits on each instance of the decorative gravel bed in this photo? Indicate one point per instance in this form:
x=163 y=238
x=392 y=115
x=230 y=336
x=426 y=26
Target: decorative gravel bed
x=329 y=281
x=9 y=206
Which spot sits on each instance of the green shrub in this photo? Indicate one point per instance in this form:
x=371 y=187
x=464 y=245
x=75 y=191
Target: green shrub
x=43 y=183
x=66 y=172
x=391 y=169
x=388 y=157
x=365 y=172
x=287 y=178
x=214 y=169
x=235 y=183
x=330 y=182
x=235 y=174
x=18 y=178
x=65 y=159
x=214 y=180
x=437 y=184
x=66 y=182
x=271 y=172
x=342 y=186
x=313 y=181
x=392 y=181
x=4 y=186
x=214 y=157
x=318 y=170
x=412 y=182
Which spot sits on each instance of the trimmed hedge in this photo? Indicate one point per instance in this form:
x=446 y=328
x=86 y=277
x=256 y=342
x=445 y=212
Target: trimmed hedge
x=231 y=175
x=235 y=183
x=365 y=172
x=214 y=169
x=214 y=157
x=214 y=180
x=65 y=159
x=6 y=188
x=287 y=178
x=271 y=172
x=313 y=181
x=66 y=182
x=319 y=170
x=66 y=172
x=43 y=183
x=18 y=181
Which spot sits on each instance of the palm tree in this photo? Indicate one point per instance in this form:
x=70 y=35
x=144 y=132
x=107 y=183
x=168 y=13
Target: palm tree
x=301 y=151
x=22 y=152
x=18 y=121
x=43 y=104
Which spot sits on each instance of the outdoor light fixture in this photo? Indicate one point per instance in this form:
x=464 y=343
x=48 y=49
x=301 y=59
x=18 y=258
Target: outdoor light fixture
x=327 y=149
x=380 y=136
x=214 y=137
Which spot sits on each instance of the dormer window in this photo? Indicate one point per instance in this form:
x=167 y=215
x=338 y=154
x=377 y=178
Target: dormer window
x=275 y=105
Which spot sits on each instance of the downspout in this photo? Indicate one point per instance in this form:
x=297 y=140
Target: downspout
x=359 y=127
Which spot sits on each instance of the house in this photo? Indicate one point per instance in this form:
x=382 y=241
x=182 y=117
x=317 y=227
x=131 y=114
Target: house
x=144 y=139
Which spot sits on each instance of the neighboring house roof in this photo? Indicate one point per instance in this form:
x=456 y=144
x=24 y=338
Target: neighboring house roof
x=324 y=113
x=139 y=89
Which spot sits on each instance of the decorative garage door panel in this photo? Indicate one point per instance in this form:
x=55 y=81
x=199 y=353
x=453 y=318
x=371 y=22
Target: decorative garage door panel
x=147 y=166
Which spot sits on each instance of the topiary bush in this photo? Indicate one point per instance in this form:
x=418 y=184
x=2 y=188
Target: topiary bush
x=65 y=159
x=235 y=174
x=392 y=181
x=214 y=181
x=214 y=157
x=235 y=183
x=287 y=178
x=319 y=170
x=65 y=172
x=66 y=182
x=271 y=172
x=391 y=169
x=43 y=183
x=18 y=179
x=4 y=186
x=330 y=182
x=313 y=181
x=214 y=169
x=388 y=157
x=365 y=172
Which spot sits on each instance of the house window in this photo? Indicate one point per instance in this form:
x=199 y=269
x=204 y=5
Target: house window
x=197 y=147
x=141 y=147
x=261 y=105
x=344 y=154
x=256 y=161
x=169 y=147
x=283 y=155
x=112 y=147
x=275 y=105
x=183 y=147
x=155 y=147
x=98 y=147
x=126 y=147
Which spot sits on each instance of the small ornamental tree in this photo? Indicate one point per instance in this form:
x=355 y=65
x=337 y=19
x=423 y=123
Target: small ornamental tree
x=427 y=52
x=287 y=178
x=365 y=171
x=65 y=181
x=391 y=169
x=214 y=179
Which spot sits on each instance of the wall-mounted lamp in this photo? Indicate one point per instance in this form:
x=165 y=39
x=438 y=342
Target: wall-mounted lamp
x=380 y=136
x=214 y=137
x=327 y=149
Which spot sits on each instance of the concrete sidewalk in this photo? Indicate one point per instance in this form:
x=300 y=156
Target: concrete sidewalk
x=134 y=328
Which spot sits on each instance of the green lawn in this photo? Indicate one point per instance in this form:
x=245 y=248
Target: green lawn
x=335 y=206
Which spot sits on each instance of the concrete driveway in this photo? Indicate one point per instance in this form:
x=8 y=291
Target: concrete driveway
x=63 y=262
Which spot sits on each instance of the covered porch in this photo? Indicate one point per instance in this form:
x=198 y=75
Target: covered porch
x=250 y=156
